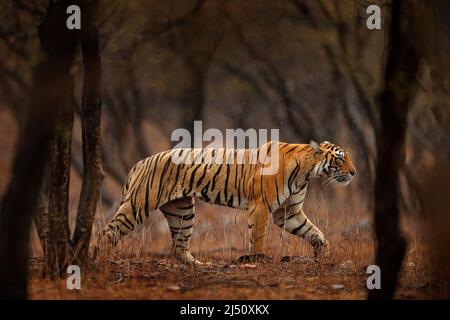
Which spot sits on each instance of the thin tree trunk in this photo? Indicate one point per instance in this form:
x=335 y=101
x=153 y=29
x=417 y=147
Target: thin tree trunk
x=90 y=119
x=193 y=101
x=58 y=185
x=33 y=146
x=40 y=218
x=401 y=69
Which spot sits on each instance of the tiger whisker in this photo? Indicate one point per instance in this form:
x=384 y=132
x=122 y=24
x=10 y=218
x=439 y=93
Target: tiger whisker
x=328 y=180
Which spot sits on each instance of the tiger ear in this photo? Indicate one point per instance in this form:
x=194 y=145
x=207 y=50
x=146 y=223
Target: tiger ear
x=315 y=147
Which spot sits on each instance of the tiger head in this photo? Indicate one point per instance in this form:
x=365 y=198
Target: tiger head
x=334 y=164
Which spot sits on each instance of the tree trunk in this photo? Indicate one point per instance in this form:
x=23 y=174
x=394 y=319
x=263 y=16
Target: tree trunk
x=52 y=214
x=192 y=102
x=40 y=218
x=58 y=185
x=33 y=146
x=90 y=119
x=401 y=69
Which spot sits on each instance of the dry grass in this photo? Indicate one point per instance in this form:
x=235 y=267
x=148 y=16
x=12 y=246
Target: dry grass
x=139 y=267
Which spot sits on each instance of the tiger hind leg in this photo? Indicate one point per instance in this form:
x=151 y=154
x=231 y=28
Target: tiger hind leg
x=180 y=215
x=124 y=222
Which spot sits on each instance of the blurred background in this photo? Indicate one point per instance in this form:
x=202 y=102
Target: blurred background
x=311 y=69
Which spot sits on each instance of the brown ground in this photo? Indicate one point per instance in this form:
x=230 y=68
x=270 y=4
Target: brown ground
x=162 y=279
x=132 y=271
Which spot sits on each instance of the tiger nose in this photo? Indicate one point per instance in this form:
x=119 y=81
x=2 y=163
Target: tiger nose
x=352 y=172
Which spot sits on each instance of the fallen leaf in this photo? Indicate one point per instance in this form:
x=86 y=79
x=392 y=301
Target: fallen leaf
x=173 y=288
x=337 y=286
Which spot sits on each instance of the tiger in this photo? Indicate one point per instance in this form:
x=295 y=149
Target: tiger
x=160 y=182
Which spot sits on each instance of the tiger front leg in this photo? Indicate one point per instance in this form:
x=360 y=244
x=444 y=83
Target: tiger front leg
x=258 y=220
x=298 y=224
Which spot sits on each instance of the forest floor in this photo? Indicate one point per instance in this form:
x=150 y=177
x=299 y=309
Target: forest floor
x=139 y=267
x=165 y=278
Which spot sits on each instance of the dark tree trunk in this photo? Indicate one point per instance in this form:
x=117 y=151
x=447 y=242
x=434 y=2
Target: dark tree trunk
x=33 y=147
x=40 y=218
x=58 y=185
x=52 y=214
x=91 y=139
x=193 y=101
x=193 y=94
x=401 y=69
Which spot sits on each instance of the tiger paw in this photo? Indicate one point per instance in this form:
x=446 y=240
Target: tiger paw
x=186 y=257
x=321 y=249
x=257 y=257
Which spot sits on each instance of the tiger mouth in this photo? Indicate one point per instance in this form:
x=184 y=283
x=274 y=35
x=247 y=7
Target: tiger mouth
x=344 y=179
